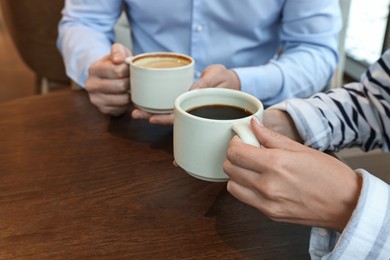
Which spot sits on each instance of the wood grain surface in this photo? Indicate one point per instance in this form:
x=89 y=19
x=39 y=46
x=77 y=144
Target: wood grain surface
x=75 y=184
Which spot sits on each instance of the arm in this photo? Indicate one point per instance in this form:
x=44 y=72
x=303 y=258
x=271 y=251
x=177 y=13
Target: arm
x=86 y=33
x=367 y=234
x=309 y=36
x=86 y=36
x=292 y=183
x=355 y=115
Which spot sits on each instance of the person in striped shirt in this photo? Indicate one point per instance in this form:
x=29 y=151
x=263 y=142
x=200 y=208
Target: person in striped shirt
x=349 y=210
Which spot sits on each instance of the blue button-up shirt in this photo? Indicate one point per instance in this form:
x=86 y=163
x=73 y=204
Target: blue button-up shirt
x=246 y=36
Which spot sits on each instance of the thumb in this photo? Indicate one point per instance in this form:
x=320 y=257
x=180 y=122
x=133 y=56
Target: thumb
x=119 y=53
x=206 y=80
x=200 y=83
x=272 y=139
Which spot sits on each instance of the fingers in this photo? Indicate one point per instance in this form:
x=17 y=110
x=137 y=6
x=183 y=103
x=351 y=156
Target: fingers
x=163 y=119
x=166 y=119
x=272 y=139
x=281 y=122
x=246 y=195
x=201 y=83
x=217 y=76
x=108 y=81
x=139 y=114
x=247 y=156
x=112 y=66
x=114 y=111
x=110 y=104
x=119 y=53
x=243 y=176
x=108 y=86
x=210 y=78
x=106 y=69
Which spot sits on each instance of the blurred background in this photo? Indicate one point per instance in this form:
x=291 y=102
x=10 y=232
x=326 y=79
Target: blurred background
x=16 y=79
x=365 y=39
x=26 y=43
x=367 y=35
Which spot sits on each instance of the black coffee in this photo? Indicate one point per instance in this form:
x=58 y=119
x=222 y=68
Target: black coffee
x=219 y=112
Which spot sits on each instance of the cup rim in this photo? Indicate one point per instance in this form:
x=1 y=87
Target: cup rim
x=131 y=59
x=213 y=91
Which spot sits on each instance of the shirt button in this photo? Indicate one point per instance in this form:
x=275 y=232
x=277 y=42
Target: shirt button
x=198 y=74
x=323 y=232
x=198 y=28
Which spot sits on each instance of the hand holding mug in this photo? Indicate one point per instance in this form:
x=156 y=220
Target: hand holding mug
x=290 y=182
x=108 y=81
x=214 y=76
x=282 y=123
x=218 y=76
x=159 y=119
x=157 y=78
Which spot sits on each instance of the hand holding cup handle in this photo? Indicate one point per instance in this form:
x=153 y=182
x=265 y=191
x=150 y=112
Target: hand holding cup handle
x=244 y=131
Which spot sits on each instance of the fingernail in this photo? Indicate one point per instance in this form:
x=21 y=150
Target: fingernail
x=195 y=85
x=258 y=121
x=135 y=115
x=117 y=57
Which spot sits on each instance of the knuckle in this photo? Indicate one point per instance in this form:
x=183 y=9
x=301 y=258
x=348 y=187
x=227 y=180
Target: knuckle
x=273 y=211
x=89 y=85
x=267 y=188
x=233 y=187
x=274 y=137
x=123 y=85
x=232 y=152
x=104 y=109
x=92 y=70
x=227 y=167
x=120 y=71
x=94 y=100
x=230 y=187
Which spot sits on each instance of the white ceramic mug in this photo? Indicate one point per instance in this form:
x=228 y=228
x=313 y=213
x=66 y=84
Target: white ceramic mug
x=157 y=78
x=200 y=144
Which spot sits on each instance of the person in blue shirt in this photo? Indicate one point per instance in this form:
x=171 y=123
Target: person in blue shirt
x=272 y=49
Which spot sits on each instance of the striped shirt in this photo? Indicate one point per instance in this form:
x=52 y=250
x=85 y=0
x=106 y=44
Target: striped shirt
x=356 y=115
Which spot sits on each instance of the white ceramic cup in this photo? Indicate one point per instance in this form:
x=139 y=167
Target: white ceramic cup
x=200 y=144
x=157 y=78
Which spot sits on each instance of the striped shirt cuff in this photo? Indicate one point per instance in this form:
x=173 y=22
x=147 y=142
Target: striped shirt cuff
x=366 y=235
x=311 y=124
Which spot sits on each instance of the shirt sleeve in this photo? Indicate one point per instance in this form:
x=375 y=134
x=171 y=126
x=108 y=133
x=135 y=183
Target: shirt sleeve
x=367 y=234
x=309 y=36
x=356 y=115
x=86 y=33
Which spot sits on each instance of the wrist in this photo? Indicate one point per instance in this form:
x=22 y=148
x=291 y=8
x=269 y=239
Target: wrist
x=236 y=83
x=282 y=123
x=348 y=203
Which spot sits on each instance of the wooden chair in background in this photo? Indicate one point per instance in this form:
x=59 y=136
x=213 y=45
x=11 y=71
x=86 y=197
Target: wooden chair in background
x=32 y=25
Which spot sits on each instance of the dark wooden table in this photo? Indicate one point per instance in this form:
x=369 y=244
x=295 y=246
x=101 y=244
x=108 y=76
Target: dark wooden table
x=376 y=163
x=76 y=184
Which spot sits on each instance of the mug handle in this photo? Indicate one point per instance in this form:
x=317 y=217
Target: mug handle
x=244 y=131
